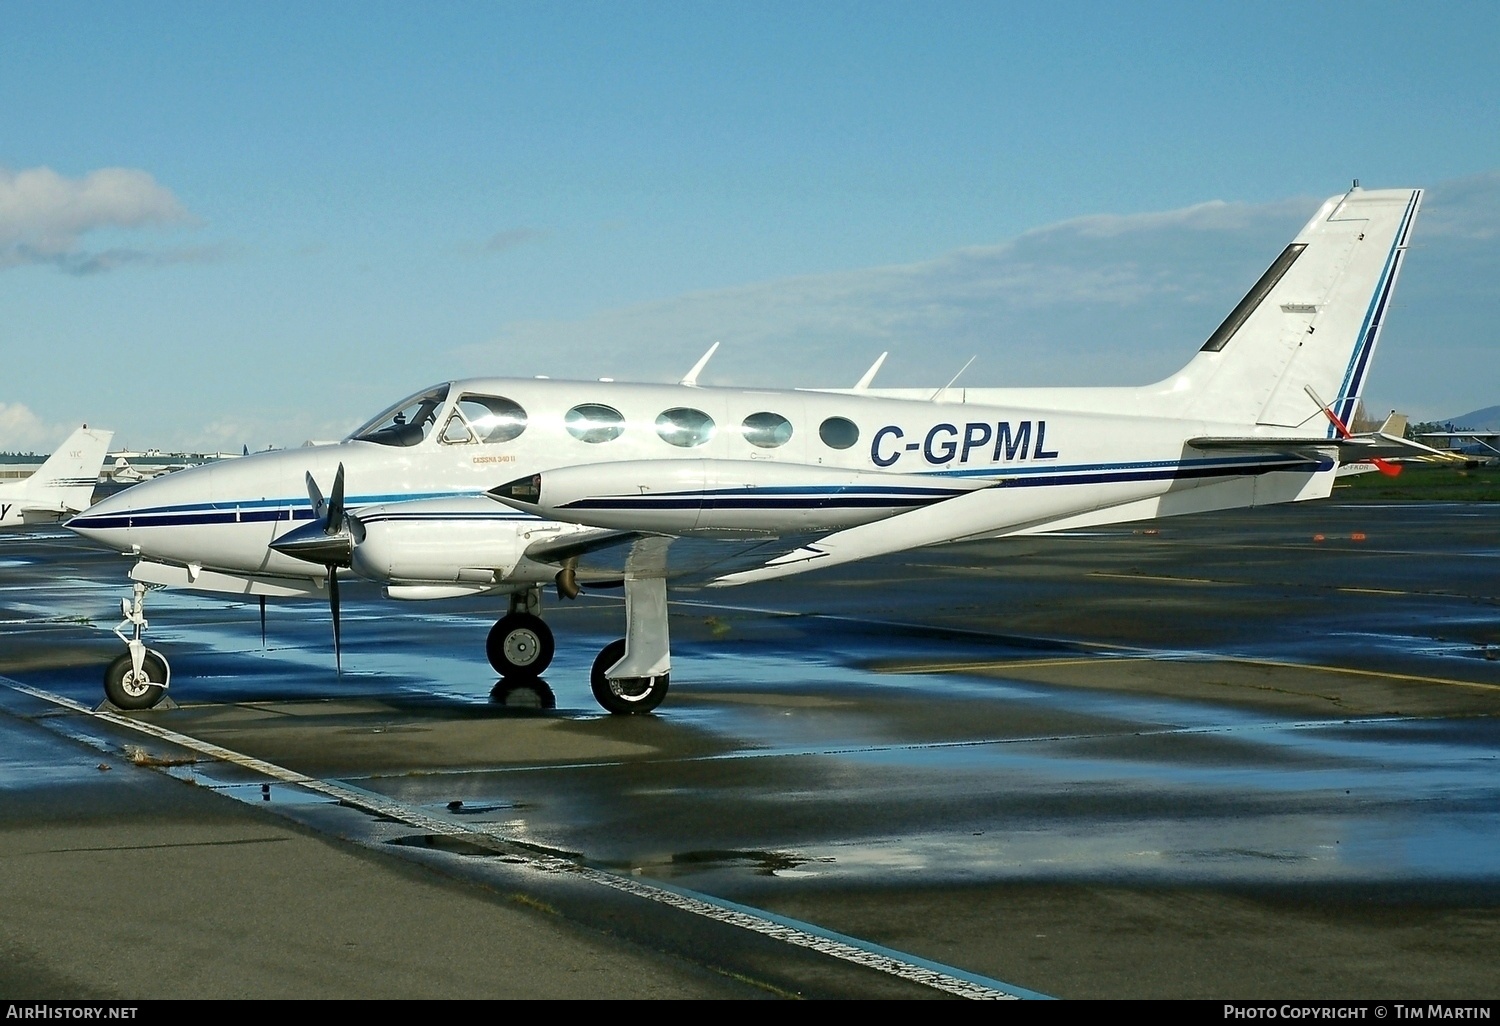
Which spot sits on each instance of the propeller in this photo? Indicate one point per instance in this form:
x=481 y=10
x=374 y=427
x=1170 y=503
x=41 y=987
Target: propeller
x=328 y=541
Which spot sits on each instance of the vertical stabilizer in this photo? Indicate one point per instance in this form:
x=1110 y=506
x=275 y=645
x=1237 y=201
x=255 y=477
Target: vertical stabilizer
x=1312 y=320
x=66 y=482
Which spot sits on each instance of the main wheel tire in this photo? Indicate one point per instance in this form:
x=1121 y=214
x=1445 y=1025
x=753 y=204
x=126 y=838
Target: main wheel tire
x=520 y=645
x=130 y=690
x=628 y=695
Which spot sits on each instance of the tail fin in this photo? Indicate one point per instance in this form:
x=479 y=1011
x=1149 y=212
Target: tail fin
x=66 y=481
x=1312 y=321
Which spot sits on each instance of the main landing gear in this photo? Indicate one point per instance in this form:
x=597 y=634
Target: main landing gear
x=520 y=644
x=629 y=676
x=139 y=678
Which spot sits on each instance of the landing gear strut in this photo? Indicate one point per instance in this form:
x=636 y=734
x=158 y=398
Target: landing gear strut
x=139 y=678
x=520 y=644
x=631 y=675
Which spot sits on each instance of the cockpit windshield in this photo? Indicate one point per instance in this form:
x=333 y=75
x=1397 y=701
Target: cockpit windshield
x=406 y=423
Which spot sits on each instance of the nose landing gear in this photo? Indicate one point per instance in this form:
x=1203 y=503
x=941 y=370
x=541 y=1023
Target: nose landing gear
x=139 y=678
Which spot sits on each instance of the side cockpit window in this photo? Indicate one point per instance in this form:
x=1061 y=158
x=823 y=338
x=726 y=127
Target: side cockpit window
x=484 y=418
x=408 y=422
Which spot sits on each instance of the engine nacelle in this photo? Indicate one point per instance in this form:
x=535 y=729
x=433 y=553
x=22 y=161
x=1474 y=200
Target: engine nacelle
x=464 y=541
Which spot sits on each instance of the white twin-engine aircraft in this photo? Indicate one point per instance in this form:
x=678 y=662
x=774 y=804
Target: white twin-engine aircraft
x=61 y=486
x=502 y=487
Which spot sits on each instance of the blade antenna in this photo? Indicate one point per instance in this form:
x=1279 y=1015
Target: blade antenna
x=955 y=378
x=692 y=376
x=864 y=382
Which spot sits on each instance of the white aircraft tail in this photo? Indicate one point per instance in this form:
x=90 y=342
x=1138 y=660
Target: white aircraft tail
x=1309 y=326
x=65 y=483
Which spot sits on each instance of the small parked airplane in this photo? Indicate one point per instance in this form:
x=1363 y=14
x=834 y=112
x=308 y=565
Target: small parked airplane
x=1479 y=446
x=503 y=486
x=61 y=486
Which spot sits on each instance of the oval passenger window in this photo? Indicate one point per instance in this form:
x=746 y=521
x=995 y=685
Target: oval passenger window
x=838 y=433
x=593 y=423
x=766 y=430
x=685 y=427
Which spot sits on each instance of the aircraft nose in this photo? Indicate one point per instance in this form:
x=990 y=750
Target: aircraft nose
x=107 y=520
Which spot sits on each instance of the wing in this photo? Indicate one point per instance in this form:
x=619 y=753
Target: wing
x=972 y=515
x=999 y=511
x=605 y=559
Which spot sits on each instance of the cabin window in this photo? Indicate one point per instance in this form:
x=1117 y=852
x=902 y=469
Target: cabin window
x=766 y=430
x=685 y=427
x=485 y=418
x=406 y=423
x=593 y=423
x=838 y=432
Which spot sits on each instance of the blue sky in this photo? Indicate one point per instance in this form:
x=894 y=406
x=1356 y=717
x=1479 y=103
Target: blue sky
x=227 y=224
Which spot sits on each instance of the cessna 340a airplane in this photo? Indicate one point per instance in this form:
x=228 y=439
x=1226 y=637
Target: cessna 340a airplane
x=502 y=487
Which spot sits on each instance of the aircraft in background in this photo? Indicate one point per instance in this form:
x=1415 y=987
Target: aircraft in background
x=1395 y=428
x=502 y=487
x=61 y=486
x=122 y=470
x=1479 y=446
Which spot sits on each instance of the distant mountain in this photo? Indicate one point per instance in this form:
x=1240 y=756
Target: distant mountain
x=1487 y=419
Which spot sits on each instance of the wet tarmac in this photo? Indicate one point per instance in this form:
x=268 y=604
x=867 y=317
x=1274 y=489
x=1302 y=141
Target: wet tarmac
x=1252 y=754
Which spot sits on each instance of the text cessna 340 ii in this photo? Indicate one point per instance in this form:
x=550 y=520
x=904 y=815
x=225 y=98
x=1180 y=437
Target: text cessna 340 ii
x=503 y=487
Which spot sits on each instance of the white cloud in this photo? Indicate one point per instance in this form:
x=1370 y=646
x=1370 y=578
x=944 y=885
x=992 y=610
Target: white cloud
x=21 y=430
x=44 y=215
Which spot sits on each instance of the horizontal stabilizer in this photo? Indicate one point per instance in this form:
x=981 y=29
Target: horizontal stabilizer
x=1374 y=445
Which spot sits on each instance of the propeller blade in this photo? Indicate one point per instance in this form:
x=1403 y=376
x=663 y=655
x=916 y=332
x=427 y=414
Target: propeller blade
x=315 y=496
x=335 y=522
x=262 y=621
x=333 y=606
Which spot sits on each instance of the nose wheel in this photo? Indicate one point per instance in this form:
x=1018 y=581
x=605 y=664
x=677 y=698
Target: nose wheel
x=133 y=689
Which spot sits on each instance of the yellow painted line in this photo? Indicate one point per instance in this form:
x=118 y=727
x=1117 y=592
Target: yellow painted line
x=1148 y=577
x=1373 y=591
x=1366 y=673
x=1033 y=663
x=999 y=664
